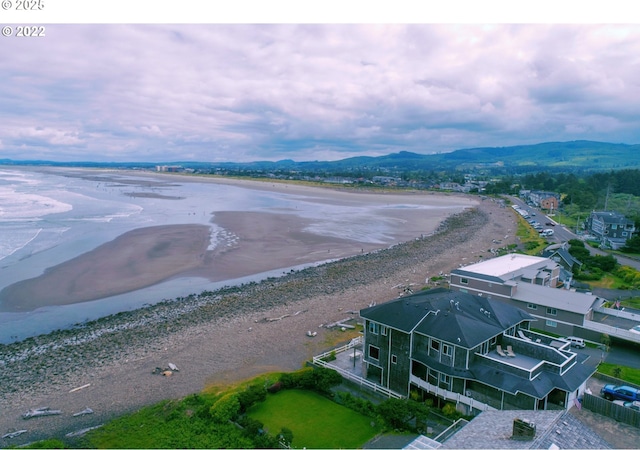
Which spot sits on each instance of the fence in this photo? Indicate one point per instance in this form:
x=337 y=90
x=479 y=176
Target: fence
x=609 y=409
x=613 y=380
x=320 y=361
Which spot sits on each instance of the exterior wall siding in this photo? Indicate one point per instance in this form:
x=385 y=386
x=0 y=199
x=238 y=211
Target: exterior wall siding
x=400 y=370
x=473 y=286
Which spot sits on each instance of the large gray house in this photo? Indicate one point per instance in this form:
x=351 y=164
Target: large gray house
x=472 y=350
x=613 y=229
x=528 y=282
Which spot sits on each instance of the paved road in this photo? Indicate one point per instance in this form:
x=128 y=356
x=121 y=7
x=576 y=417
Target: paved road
x=563 y=234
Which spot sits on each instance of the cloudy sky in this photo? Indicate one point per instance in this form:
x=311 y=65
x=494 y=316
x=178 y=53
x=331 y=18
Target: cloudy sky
x=231 y=92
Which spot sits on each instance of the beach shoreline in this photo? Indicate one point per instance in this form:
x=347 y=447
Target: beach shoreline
x=223 y=336
x=246 y=242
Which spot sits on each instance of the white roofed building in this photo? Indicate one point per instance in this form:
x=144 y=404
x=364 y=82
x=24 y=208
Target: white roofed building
x=528 y=282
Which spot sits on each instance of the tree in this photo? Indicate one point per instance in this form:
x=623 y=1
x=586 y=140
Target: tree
x=605 y=263
x=285 y=436
x=395 y=412
x=632 y=245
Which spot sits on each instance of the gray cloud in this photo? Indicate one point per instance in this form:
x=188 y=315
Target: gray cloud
x=240 y=92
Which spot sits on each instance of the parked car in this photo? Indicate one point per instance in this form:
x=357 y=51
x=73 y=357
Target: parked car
x=550 y=224
x=575 y=341
x=633 y=405
x=628 y=393
x=635 y=329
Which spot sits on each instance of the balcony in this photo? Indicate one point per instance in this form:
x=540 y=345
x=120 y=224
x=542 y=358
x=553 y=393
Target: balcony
x=448 y=395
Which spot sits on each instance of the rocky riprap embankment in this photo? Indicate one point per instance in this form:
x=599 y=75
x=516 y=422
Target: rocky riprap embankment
x=49 y=360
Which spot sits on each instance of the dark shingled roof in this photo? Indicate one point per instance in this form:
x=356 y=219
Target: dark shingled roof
x=562 y=253
x=541 y=386
x=451 y=316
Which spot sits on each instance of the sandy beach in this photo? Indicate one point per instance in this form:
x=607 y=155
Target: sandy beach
x=223 y=337
x=251 y=243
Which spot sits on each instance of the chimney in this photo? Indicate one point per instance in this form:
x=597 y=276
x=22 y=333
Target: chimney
x=523 y=430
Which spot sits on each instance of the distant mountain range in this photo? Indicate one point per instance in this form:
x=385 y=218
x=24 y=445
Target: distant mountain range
x=570 y=156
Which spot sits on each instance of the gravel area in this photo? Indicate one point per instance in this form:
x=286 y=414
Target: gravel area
x=223 y=336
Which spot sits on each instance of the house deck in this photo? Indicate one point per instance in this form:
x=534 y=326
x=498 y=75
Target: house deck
x=520 y=361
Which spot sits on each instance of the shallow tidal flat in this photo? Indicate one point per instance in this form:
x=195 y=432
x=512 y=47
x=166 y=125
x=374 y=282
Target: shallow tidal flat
x=136 y=259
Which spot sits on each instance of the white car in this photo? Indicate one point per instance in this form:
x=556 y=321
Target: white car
x=633 y=405
x=635 y=329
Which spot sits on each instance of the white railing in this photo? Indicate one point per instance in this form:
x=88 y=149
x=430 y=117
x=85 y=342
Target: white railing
x=319 y=360
x=611 y=331
x=448 y=395
x=450 y=430
x=354 y=342
x=618 y=313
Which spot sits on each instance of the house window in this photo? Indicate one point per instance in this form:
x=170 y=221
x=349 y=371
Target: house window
x=435 y=345
x=532 y=306
x=464 y=291
x=445 y=381
x=551 y=323
x=464 y=280
x=394 y=359
x=552 y=311
x=374 y=328
x=446 y=349
x=374 y=352
x=383 y=330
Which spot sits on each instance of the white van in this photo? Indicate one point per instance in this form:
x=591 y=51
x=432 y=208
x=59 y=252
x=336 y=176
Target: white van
x=575 y=341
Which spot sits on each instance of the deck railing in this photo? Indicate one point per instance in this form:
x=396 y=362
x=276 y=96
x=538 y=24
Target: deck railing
x=448 y=395
x=320 y=361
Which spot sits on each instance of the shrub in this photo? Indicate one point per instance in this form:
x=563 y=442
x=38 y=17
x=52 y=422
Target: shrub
x=319 y=379
x=226 y=408
x=250 y=396
x=449 y=409
x=530 y=245
x=395 y=412
x=357 y=404
x=285 y=436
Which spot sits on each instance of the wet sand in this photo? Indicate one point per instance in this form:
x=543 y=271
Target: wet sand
x=252 y=243
x=134 y=260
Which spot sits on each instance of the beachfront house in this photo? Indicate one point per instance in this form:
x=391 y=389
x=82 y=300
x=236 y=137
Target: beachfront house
x=471 y=350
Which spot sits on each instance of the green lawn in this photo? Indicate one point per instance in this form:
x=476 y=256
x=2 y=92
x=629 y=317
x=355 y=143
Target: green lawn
x=626 y=373
x=315 y=421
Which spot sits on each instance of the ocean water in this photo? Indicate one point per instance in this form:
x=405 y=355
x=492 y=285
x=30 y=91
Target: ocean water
x=48 y=217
